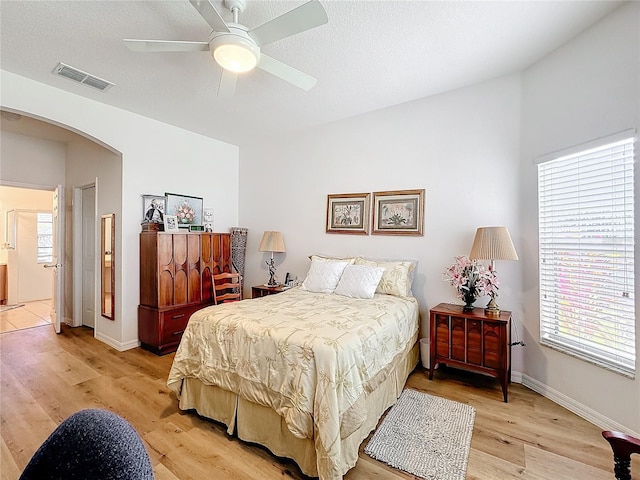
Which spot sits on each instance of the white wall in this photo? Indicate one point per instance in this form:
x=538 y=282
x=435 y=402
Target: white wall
x=462 y=147
x=156 y=158
x=31 y=161
x=88 y=163
x=586 y=89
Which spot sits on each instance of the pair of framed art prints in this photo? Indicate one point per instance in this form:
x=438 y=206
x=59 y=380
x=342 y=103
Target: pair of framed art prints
x=174 y=211
x=399 y=212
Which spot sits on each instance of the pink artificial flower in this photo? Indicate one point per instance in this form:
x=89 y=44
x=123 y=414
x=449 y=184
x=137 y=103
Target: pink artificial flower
x=468 y=277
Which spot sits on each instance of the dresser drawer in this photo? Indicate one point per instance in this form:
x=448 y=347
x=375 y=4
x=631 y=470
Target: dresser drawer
x=173 y=324
x=160 y=330
x=174 y=321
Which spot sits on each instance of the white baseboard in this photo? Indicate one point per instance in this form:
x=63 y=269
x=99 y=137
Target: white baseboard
x=120 y=346
x=605 y=423
x=516 y=377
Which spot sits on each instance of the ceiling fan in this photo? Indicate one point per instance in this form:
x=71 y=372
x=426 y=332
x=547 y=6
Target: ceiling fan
x=237 y=49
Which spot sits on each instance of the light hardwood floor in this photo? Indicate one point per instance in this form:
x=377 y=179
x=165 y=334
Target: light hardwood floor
x=46 y=377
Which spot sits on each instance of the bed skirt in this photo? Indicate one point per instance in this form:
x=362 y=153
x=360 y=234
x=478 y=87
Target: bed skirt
x=259 y=424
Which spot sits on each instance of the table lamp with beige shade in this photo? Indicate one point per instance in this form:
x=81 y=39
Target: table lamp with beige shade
x=493 y=243
x=272 y=242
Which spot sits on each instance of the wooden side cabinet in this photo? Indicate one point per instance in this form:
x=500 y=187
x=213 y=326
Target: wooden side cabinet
x=262 y=290
x=471 y=340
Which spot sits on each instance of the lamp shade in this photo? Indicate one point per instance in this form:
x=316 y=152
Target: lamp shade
x=272 y=242
x=493 y=243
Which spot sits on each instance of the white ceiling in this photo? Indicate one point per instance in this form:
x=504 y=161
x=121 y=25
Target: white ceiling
x=371 y=55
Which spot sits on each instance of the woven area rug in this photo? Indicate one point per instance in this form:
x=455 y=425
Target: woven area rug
x=426 y=436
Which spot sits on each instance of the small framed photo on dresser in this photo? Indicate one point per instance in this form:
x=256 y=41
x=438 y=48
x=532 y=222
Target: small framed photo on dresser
x=170 y=223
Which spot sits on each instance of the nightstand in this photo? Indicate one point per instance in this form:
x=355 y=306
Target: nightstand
x=471 y=340
x=262 y=290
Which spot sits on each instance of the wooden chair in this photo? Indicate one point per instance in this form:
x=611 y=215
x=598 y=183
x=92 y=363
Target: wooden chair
x=623 y=446
x=227 y=287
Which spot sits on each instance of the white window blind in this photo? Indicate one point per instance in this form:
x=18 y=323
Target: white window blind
x=586 y=241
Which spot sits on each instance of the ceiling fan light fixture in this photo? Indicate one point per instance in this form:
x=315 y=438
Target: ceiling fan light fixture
x=235 y=53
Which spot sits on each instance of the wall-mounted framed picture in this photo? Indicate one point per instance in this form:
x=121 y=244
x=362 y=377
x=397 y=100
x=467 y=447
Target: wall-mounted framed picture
x=170 y=223
x=187 y=209
x=348 y=213
x=152 y=209
x=399 y=212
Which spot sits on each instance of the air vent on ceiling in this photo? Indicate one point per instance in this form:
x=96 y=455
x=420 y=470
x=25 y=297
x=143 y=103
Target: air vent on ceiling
x=82 y=77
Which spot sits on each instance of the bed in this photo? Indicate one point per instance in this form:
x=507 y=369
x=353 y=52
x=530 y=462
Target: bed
x=308 y=372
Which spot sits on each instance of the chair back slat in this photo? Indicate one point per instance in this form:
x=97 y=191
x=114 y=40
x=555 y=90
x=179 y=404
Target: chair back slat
x=227 y=287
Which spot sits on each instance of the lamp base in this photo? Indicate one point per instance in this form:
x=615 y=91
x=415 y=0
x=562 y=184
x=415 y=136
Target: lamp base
x=492 y=309
x=272 y=273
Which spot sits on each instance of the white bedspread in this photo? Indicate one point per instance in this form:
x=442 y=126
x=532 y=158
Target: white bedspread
x=311 y=357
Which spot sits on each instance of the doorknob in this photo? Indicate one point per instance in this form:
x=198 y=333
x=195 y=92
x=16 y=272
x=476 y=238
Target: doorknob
x=56 y=265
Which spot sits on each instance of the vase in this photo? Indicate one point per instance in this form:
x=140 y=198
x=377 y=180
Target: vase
x=468 y=299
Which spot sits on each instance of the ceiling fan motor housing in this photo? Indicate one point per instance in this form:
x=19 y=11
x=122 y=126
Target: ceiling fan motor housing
x=234 y=50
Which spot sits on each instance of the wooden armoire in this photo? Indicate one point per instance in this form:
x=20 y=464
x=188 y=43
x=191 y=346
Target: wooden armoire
x=175 y=281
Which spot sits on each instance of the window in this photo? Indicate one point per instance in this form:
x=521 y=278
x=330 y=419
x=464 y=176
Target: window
x=586 y=240
x=45 y=237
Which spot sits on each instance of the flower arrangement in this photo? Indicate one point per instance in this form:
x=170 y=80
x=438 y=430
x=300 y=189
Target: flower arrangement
x=185 y=212
x=471 y=280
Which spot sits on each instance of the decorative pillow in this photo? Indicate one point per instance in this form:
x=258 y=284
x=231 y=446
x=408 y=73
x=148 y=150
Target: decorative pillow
x=359 y=281
x=323 y=276
x=397 y=277
x=329 y=258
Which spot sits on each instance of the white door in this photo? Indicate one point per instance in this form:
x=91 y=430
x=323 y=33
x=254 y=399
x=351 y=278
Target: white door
x=88 y=256
x=57 y=311
x=33 y=281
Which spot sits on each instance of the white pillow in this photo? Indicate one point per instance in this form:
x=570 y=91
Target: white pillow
x=359 y=281
x=323 y=276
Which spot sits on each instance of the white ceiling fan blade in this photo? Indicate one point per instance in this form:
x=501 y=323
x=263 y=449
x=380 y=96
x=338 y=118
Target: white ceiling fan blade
x=210 y=14
x=227 y=86
x=165 y=46
x=286 y=72
x=305 y=17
